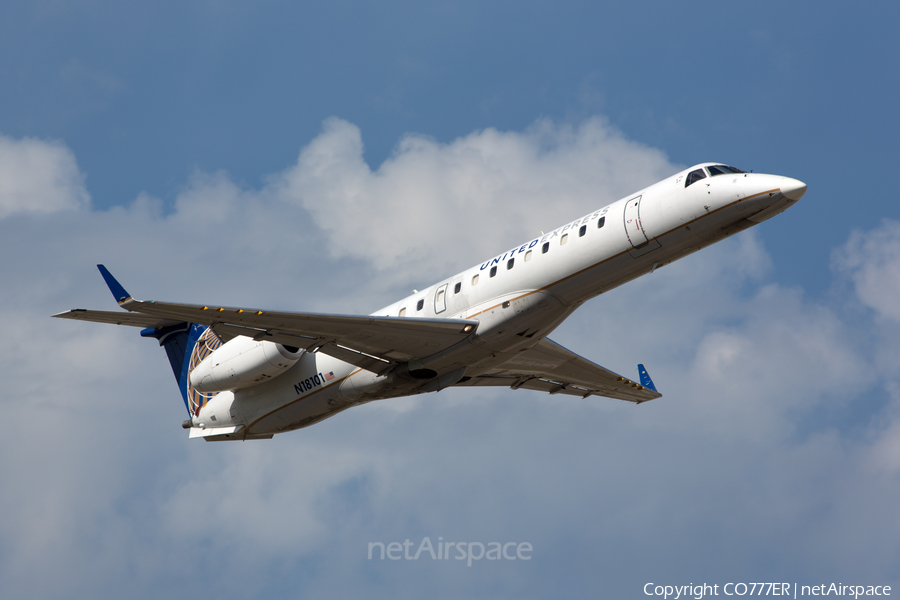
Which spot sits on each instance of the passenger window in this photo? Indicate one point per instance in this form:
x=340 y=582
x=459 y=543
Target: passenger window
x=402 y=312
x=601 y=222
x=582 y=231
x=528 y=256
x=510 y=263
x=694 y=176
x=564 y=239
x=545 y=247
x=420 y=304
x=493 y=271
x=457 y=287
x=439 y=298
x=475 y=279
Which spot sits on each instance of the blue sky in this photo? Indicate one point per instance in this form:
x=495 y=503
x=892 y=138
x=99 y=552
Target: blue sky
x=146 y=94
x=177 y=143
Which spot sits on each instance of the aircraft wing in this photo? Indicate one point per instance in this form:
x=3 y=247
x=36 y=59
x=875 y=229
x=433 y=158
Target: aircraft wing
x=370 y=342
x=548 y=367
x=389 y=339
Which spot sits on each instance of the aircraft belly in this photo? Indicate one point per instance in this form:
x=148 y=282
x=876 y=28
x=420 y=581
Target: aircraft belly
x=516 y=322
x=307 y=393
x=301 y=413
x=365 y=386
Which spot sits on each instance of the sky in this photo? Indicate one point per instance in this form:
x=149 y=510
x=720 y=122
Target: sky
x=331 y=157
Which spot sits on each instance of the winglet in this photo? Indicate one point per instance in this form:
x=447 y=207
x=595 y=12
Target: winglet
x=115 y=287
x=645 y=378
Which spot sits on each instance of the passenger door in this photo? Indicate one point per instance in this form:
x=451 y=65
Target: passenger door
x=633 y=228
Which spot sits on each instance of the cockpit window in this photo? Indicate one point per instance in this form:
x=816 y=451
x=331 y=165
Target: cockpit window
x=694 y=176
x=722 y=170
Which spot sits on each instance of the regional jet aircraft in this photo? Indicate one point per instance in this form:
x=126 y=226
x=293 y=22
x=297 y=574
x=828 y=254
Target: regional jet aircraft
x=248 y=373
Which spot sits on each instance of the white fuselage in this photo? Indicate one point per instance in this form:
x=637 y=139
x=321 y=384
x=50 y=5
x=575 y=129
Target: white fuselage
x=519 y=296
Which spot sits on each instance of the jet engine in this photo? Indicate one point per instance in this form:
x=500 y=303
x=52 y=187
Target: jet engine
x=242 y=362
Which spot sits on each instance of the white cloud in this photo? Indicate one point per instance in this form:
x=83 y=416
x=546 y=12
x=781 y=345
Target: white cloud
x=39 y=176
x=872 y=261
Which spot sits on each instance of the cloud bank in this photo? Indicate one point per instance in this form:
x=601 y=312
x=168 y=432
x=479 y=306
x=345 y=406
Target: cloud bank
x=773 y=455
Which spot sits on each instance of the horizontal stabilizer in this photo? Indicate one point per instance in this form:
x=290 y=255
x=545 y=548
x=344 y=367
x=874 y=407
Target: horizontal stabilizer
x=224 y=434
x=197 y=432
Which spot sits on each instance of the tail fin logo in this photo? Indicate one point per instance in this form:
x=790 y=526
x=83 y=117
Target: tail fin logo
x=205 y=346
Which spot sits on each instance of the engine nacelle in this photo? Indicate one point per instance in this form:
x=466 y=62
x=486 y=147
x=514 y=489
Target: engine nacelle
x=242 y=362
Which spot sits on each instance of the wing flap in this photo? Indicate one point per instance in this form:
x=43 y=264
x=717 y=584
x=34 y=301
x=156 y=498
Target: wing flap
x=536 y=384
x=548 y=367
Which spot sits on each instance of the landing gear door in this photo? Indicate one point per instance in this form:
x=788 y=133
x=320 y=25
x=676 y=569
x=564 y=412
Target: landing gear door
x=440 y=299
x=633 y=228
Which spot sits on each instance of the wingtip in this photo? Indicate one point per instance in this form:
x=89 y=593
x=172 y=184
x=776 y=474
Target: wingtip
x=644 y=376
x=115 y=287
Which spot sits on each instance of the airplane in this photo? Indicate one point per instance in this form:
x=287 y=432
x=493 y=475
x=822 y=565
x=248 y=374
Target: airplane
x=248 y=373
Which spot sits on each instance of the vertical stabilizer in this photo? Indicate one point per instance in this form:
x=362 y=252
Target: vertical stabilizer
x=186 y=344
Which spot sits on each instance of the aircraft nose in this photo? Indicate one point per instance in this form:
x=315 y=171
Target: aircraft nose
x=793 y=188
